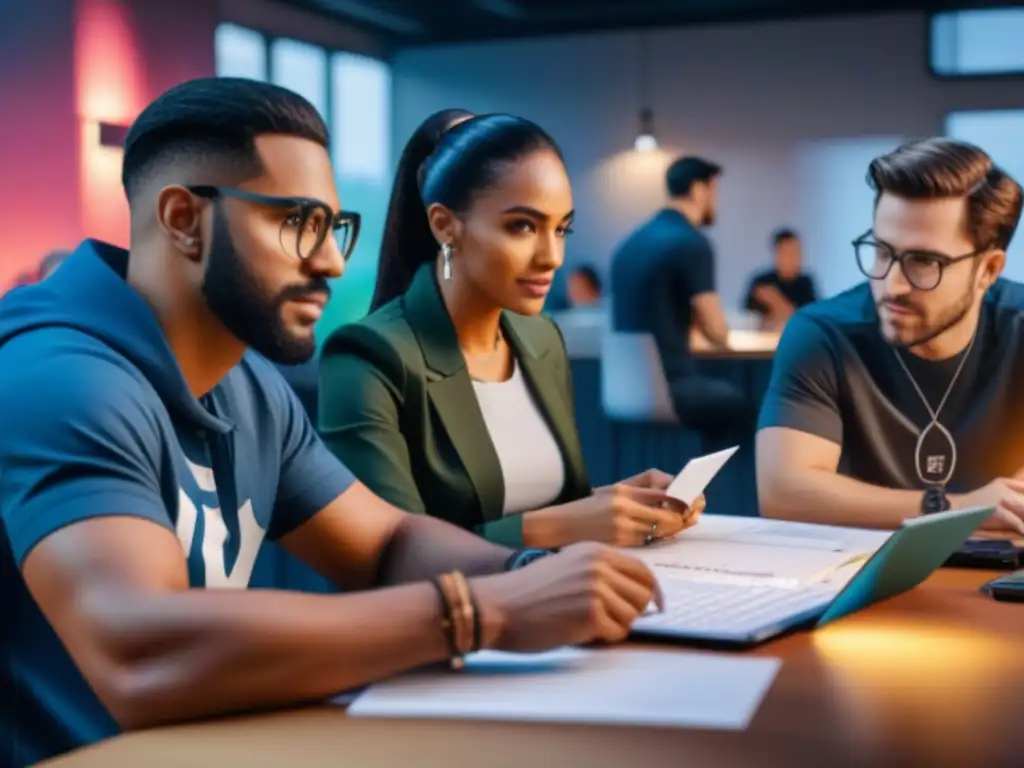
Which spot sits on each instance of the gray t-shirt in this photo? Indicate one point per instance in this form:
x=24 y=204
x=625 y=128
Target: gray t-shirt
x=836 y=377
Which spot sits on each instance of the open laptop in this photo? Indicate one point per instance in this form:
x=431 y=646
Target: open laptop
x=743 y=615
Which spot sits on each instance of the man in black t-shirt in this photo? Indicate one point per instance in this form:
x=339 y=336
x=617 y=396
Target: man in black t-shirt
x=663 y=282
x=902 y=396
x=777 y=293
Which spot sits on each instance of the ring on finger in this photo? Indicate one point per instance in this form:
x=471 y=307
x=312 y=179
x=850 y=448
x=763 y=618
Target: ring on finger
x=652 y=535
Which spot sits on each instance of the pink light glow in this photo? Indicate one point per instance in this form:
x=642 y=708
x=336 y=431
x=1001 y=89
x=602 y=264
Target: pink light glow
x=109 y=87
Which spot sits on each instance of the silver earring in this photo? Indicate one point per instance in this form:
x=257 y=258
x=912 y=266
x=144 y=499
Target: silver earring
x=446 y=254
x=190 y=241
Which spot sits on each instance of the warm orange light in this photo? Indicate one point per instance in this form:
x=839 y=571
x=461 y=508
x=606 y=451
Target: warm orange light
x=906 y=683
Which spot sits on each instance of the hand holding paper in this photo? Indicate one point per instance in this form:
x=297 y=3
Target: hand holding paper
x=691 y=482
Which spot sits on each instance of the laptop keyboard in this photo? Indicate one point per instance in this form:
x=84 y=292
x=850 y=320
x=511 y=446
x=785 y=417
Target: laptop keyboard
x=710 y=607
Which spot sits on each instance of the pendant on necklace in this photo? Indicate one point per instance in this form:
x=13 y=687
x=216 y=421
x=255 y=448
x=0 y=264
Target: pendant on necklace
x=935 y=454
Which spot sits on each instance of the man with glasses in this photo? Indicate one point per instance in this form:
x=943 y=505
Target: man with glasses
x=147 y=453
x=902 y=395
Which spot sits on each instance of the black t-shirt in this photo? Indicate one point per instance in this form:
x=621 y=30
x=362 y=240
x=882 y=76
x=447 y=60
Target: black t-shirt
x=835 y=376
x=799 y=291
x=655 y=274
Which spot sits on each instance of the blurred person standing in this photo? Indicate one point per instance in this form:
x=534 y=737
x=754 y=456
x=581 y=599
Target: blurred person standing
x=663 y=283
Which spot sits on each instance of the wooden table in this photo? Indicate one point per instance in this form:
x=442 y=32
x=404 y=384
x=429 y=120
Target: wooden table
x=934 y=677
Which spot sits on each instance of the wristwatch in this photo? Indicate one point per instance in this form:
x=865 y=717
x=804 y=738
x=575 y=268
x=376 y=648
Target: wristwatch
x=934 y=500
x=523 y=557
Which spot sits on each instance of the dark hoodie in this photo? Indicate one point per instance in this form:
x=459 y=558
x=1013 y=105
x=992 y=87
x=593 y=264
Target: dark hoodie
x=96 y=420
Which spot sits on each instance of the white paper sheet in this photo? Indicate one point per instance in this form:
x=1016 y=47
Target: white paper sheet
x=695 y=476
x=761 y=552
x=610 y=687
x=786 y=534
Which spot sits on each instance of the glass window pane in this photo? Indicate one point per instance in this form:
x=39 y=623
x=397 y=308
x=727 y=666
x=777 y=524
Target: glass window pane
x=999 y=133
x=240 y=52
x=982 y=42
x=361 y=150
x=361 y=116
x=302 y=68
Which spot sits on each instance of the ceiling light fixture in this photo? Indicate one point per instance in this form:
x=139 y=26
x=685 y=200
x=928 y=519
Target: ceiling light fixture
x=645 y=140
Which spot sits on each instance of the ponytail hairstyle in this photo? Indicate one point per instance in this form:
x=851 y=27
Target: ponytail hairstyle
x=463 y=160
x=406 y=229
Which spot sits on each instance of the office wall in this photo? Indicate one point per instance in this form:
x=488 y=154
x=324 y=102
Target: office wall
x=793 y=110
x=39 y=200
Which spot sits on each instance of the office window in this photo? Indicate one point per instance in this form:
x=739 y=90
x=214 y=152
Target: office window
x=302 y=68
x=240 y=52
x=999 y=133
x=978 y=43
x=361 y=149
x=361 y=115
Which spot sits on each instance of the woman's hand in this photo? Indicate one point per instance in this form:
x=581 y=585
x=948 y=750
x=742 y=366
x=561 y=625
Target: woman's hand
x=628 y=514
x=655 y=478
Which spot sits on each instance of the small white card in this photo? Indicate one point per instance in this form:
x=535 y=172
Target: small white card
x=691 y=482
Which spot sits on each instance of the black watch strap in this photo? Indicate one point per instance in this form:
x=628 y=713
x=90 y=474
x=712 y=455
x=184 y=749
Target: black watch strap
x=523 y=557
x=934 y=500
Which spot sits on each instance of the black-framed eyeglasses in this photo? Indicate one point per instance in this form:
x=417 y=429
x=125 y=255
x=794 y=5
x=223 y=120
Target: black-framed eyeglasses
x=923 y=269
x=311 y=220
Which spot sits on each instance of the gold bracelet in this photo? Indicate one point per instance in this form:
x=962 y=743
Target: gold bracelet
x=461 y=622
x=469 y=641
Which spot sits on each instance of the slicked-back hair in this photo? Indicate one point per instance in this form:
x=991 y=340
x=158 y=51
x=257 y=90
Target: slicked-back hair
x=938 y=168
x=214 y=121
x=466 y=160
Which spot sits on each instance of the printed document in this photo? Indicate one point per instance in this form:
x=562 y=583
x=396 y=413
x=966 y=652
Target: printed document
x=758 y=552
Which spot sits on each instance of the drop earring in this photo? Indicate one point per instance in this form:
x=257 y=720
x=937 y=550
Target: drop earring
x=446 y=255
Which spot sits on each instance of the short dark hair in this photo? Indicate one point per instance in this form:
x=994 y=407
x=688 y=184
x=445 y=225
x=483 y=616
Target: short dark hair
x=944 y=168
x=216 y=120
x=686 y=171
x=467 y=159
x=782 y=234
x=405 y=226
x=590 y=276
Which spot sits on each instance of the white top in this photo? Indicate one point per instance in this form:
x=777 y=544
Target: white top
x=531 y=462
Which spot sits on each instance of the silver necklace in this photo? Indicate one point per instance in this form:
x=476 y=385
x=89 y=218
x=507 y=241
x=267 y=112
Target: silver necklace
x=936 y=464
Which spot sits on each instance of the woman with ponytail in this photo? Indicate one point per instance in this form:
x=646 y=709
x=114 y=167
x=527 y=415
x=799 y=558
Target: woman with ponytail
x=452 y=397
x=408 y=241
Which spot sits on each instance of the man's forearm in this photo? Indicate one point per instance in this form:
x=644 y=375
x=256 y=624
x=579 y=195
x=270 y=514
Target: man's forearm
x=423 y=547
x=198 y=653
x=818 y=496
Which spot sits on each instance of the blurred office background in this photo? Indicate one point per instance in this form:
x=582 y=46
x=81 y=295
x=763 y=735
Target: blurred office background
x=792 y=98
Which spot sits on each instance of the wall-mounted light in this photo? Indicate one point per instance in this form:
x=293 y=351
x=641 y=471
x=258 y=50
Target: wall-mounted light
x=645 y=139
x=113 y=135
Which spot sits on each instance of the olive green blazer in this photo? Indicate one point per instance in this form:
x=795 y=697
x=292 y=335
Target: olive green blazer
x=397 y=406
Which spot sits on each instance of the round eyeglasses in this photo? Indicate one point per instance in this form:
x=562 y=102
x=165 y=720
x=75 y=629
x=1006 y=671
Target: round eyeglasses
x=923 y=269
x=308 y=224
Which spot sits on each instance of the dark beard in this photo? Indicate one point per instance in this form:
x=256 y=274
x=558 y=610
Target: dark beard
x=950 y=319
x=236 y=298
